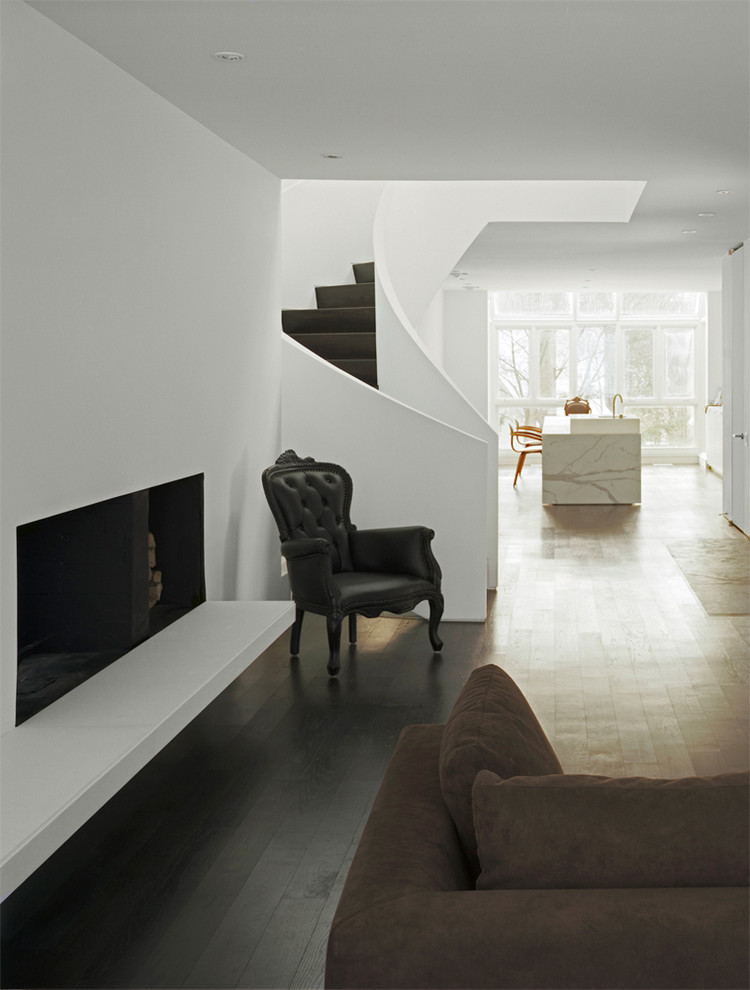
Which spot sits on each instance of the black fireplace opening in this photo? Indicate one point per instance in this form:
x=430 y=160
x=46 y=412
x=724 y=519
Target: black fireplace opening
x=96 y=581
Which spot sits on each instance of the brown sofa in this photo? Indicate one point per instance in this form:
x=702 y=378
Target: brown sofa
x=566 y=880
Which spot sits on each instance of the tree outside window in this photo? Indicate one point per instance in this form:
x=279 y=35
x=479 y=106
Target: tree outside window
x=513 y=362
x=639 y=362
x=596 y=363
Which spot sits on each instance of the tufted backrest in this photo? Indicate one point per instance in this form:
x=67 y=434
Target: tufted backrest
x=311 y=499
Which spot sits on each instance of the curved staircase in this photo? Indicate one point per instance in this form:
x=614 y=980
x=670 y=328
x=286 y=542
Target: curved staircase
x=342 y=328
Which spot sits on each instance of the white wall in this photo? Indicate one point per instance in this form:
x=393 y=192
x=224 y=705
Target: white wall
x=407 y=469
x=405 y=369
x=141 y=300
x=431 y=330
x=466 y=346
x=326 y=228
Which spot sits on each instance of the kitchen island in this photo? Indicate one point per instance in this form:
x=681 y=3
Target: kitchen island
x=589 y=460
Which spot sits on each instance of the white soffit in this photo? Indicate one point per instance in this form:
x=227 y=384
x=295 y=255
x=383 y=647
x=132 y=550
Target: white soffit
x=559 y=201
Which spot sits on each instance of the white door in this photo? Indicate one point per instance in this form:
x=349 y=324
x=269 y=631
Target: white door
x=736 y=283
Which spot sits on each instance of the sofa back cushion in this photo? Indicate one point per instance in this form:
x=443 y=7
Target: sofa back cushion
x=491 y=727
x=588 y=831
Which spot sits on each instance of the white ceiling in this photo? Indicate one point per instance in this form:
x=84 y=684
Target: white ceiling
x=652 y=90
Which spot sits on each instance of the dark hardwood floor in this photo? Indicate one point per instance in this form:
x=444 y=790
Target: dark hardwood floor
x=221 y=863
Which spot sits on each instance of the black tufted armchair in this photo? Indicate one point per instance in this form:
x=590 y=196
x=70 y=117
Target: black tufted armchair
x=337 y=570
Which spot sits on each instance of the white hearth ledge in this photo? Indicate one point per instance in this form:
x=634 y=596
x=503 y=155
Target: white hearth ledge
x=63 y=764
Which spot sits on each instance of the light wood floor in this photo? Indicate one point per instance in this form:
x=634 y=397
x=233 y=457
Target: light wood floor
x=598 y=625
x=221 y=864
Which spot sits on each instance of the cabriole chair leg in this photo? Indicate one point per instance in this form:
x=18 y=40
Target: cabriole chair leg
x=333 y=625
x=353 y=627
x=436 y=612
x=296 y=632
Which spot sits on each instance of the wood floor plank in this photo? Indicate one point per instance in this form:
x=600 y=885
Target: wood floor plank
x=276 y=959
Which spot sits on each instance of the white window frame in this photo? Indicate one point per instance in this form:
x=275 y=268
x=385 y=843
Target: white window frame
x=658 y=323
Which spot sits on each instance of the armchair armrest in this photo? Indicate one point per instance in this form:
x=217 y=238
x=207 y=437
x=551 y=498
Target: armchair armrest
x=294 y=549
x=398 y=550
x=310 y=571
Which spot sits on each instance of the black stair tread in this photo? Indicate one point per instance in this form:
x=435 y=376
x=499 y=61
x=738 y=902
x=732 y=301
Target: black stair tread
x=343 y=319
x=338 y=345
x=354 y=310
x=364 y=272
x=365 y=370
x=349 y=295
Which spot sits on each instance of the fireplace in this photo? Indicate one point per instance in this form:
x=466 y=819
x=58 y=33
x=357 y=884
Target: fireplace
x=96 y=581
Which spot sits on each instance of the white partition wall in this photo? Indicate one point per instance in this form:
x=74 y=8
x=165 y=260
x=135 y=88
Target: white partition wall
x=141 y=294
x=736 y=410
x=466 y=347
x=141 y=344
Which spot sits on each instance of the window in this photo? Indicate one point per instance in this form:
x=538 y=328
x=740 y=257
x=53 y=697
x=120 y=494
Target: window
x=596 y=305
x=639 y=361
x=595 y=363
x=553 y=345
x=678 y=359
x=554 y=363
x=513 y=362
x=527 y=303
x=679 y=305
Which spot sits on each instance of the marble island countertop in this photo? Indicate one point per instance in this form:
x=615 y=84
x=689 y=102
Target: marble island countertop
x=582 y=423
x=589 y=460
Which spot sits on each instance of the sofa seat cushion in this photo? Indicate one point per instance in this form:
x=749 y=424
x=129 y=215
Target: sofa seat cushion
x=491 y=727
x=592 y=832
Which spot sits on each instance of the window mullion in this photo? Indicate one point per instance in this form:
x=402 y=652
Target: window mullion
x=573 y=358
x=660 y=389
x=619 y=358
x=534 y=363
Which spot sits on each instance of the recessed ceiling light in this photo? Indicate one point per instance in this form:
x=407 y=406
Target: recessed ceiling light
x=724 y=192
x=689 y=231
x=326 y=155
x=229 y=56
x=706 y=214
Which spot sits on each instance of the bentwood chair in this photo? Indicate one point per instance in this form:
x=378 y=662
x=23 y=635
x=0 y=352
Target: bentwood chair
x=524 y=440
x=577 y=405
x=335 y=569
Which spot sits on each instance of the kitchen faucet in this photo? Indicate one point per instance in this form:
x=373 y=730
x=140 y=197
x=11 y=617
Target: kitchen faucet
x=617 y=396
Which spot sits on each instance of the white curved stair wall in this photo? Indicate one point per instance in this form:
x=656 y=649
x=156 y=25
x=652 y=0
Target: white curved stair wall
x=406 y=371
x=407 y=468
